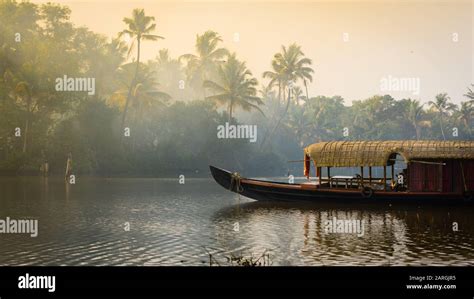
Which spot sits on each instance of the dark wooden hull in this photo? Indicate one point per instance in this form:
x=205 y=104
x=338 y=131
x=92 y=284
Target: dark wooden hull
x=276 y=191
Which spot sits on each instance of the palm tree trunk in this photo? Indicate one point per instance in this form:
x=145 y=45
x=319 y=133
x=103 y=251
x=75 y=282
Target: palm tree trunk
x=280 y=119
x=279 y=94
x=135 y=121
x=230 y=112
x=441 y=125
x=127 y=102
x=466 y=125
x=27 y=124
x=415 y=126
x=204 y=94
x=306 y=87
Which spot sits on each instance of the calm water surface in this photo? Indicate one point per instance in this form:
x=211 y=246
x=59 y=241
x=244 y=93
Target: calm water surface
x=173 y=224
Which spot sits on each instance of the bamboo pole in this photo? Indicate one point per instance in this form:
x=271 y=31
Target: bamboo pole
x=329 y=176
x=421 y=162
x=370 y=175
x=393 y=174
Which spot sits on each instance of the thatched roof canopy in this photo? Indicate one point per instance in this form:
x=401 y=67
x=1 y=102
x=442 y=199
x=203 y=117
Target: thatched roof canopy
x=378 y=153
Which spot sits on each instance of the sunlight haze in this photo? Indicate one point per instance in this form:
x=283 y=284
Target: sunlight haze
x=385 y=38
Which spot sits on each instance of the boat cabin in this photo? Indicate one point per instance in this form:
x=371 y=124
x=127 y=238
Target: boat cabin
x=403 y=166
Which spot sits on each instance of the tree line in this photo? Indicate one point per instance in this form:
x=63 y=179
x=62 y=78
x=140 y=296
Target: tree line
x=159 y=117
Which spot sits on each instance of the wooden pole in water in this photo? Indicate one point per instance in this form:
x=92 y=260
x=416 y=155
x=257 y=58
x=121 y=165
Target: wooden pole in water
x=385 y=178
x=362 y=175
x=68 y=167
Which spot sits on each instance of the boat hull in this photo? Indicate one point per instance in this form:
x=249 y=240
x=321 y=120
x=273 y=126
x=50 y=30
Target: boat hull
x=276 y=191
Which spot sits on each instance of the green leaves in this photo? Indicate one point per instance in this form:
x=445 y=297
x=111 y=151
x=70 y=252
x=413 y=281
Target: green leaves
x=204 y=65
x=235 y=87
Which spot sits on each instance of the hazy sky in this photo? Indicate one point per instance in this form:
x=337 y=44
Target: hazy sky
x=430 y=41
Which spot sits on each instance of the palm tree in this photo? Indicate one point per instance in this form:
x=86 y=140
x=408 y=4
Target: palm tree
x=276 y=77
x=294 y=66
x=442 y=105
x=144 y=97
x=140 y=27
x=298 y=96
x=204 y=65
x=22 y=92
x=144 y=92
x=270 y=98
x=289 y=67
x=465 y=115
x=168 y=71
x=300 y=123
x=323 y=112
x=470 y=93
x=163 y=57
x=24 y=88
x=413 y=111
x=235 y=88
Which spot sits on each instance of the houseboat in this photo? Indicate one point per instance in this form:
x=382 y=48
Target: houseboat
x=406 y=171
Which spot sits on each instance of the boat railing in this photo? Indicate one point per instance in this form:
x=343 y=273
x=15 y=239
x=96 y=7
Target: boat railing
x=351 y=182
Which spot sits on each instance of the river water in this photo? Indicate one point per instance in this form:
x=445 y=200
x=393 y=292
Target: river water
x=119 y=221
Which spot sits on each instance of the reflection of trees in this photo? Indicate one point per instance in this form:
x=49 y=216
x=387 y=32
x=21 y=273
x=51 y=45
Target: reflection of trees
x=399 y=236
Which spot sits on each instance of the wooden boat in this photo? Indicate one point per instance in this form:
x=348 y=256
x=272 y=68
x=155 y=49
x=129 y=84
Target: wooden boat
x=432 y=171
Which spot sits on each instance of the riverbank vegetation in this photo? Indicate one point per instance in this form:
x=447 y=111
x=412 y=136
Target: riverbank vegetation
x=160 y=117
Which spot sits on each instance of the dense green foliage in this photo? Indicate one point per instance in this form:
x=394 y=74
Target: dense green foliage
x=173 y=123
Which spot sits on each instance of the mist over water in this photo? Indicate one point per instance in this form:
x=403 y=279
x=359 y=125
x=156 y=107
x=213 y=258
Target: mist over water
x=173 y=224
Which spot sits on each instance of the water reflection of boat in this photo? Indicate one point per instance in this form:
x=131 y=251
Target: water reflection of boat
x=435 y=171
x=397 y=235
